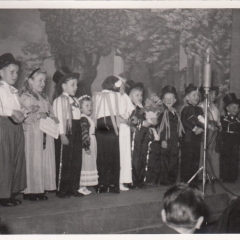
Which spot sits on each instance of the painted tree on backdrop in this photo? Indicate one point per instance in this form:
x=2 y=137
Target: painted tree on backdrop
x=81 y=37
x=153 y=38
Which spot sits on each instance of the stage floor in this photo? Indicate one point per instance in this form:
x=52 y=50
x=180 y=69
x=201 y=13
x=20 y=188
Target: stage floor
x=93 y=214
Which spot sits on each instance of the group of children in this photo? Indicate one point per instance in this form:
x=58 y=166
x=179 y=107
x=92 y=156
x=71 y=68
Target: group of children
x=112 y=141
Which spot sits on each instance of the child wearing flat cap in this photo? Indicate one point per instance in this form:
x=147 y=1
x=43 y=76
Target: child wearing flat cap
x=191 y=142
x=12 y=156
x=170 y=131
x=230 y=139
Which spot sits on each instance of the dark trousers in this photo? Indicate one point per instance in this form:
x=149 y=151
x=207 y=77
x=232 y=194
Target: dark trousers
x=169 y=162
x=12 y=158
x=229 y=158
x=71 y=158
x=108 y=155
x=154 y=163
x=140 y=155
x=190 y=157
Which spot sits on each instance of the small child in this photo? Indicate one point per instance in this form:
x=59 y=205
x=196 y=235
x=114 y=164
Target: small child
x=12 y=156
x=230 y=139
x=191 y=142
x=68 y=151
x=89 y=175
x=39 y=147
x=170 y=131
x=145 y=133
x=183 y=210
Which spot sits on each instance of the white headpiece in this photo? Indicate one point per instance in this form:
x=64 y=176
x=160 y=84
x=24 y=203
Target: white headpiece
x=120 y=81
x=84 y=96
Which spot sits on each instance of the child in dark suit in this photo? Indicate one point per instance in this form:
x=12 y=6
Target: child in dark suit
x=191 y=142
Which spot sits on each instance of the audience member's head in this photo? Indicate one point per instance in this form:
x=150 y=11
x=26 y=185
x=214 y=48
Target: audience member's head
x=183 y=208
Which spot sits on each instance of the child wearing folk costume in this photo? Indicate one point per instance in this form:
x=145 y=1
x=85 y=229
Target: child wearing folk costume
x=68 y=146
x=39 y=147
x=89 y=174
x=191 y=142
x=214 y=126
x=145 y=133
x=230 y=139
x=12 y=156
x=170 y=131
x=107 y=112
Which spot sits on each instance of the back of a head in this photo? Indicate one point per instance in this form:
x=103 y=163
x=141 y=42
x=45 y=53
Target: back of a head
x=109 y=84
x=183 y=206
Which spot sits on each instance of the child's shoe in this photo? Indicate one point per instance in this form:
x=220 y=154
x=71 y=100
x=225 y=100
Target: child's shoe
x=84 y=191
x=122 y=187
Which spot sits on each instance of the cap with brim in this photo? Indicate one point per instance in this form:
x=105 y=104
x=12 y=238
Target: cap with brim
x=230 y=98
x=70 y=75
x=63 y=73
x=131 y=85
x=7 y=59
x=190 y=88
x=169 y=89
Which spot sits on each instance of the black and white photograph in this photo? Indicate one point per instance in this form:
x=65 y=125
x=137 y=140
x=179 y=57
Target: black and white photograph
x=119 y=119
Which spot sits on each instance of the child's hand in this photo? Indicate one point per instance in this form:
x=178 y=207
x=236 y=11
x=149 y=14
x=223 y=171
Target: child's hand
x=198 y=130
x=134 y=120
x=164 y=144
x=55 y=120
x=201 y=119
x=17 y=116
x=64 y=139
x=122 y=120
x=88 y=152
x=33 y=108
x=146 y=123
x=42 y=115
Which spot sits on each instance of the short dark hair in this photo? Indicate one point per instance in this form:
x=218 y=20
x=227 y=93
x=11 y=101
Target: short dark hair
x=109 y=83
x=183 y=205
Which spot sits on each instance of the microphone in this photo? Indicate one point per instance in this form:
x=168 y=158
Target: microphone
x=207 y=72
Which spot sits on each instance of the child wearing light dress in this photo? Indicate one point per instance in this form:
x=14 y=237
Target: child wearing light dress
x=89 y=174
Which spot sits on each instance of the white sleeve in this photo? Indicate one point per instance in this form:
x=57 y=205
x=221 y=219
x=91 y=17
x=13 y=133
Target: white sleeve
x=58 y=112
x=5 y=109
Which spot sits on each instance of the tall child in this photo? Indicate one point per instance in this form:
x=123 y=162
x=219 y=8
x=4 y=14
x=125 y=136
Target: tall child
x=89 y=174
x=191 y=142
x=170 y=130
x=12 y=156
x=68 y=151
x=230 y=139
x=39 y=147
x=107 y=111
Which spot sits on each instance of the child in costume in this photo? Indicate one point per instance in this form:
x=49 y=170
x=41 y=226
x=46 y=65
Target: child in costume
x=191 y=142
x=213 y=131
x=230 y=139
x=89 y=174
x=68 y=151
x=12 y=114
x=170 y=131
x=125 y=140
x=145 y=133
x=39 y=147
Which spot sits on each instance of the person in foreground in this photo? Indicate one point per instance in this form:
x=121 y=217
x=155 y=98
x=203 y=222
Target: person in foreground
x=183 y=209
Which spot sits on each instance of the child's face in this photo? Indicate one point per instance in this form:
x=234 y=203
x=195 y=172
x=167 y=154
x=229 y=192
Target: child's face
x=212 y=96
x=136 y=96
x=169 y=99
x=193 y=97
x=38 y=82
x=86 y=107
x=70 y=86
x=233 y=109
x=9 y=73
